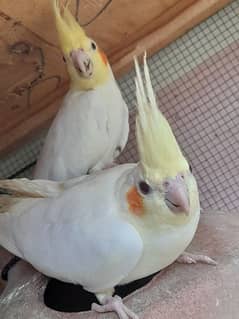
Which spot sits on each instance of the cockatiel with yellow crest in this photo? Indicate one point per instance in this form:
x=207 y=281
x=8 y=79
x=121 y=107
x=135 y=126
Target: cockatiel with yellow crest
x=112 y=227
x=91 y=127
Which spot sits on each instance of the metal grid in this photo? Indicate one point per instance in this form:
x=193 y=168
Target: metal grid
x=196 y=80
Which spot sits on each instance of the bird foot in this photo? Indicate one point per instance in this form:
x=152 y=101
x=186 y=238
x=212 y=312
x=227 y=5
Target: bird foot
x=116 y=305
x=187 y=258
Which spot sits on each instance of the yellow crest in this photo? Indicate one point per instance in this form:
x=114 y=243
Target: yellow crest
x=69 y=31
x=73 y=37
x=160 y=154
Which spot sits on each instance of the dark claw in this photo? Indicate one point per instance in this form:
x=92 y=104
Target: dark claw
x=87 y=65
x=9 y=265
x=118 y=149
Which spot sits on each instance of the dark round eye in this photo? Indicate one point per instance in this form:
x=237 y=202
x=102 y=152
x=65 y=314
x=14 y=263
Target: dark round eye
x=190 y=168
x=144 y=188
x=93 y=45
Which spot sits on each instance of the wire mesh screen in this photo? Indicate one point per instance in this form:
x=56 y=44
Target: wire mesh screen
x=196 y=80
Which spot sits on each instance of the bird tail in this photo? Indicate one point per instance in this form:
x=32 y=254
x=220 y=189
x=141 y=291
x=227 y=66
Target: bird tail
x=12 y=191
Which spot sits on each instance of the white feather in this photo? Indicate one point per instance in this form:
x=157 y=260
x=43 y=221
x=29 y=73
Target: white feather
x=85 y=134
x=74 y=238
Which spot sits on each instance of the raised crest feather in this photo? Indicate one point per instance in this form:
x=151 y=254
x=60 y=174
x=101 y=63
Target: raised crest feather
x=160 y=154
x=70 y=33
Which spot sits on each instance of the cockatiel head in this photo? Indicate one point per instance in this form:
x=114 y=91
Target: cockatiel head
x=87 y=65
x=163 y=181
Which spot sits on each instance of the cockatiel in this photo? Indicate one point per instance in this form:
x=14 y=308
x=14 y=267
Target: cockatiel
x=91 y=127
x=114 y=226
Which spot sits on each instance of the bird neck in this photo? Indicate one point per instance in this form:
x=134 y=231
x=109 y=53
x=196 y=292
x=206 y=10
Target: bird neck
x=82 y=84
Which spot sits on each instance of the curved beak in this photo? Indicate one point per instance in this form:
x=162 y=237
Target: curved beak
x=176 y=195
x=82 y=62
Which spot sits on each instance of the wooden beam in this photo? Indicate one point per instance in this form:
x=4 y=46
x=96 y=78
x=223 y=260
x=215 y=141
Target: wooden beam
x=31 y=126
x=172 y=20
x=167 y=33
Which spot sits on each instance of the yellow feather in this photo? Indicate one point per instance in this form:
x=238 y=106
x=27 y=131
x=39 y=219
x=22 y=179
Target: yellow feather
x=70 y=33
x=160 y=154
x=72 y=37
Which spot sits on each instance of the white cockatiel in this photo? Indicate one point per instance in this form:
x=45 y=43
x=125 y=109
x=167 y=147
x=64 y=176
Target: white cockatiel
x=114 y=226
x=91 y=127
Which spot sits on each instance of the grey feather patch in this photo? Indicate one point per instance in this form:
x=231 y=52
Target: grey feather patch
x=4 y=191
x=6 y=202
x=19 y=193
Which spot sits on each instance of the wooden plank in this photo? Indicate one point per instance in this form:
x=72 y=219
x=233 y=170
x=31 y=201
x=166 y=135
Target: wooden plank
x=121 y=21
x=36 y=16
x=167 y=33
x=113 y=29
x=33 y=125
x=145 y=29
x=31 y=64
x=31 y=73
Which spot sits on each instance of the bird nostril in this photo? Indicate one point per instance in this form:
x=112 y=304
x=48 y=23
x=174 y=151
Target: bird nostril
x=87 y=64
x=180 y=177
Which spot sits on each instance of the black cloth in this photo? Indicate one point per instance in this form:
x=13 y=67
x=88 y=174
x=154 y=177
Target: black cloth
x=67 y=297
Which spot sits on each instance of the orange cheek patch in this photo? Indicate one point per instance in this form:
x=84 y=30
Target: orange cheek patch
x=135 y=201
x=103 y=57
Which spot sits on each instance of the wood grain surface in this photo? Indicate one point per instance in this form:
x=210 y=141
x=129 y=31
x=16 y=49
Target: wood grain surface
x=33 y=75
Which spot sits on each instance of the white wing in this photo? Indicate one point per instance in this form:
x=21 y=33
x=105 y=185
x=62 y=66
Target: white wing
x=77 y=237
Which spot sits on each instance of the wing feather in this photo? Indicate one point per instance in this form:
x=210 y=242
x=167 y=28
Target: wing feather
x=78 y=236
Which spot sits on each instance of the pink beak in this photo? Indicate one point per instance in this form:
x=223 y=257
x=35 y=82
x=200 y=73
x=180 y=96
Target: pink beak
x=176 y=196
x=82 y=62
